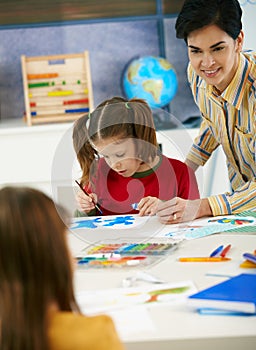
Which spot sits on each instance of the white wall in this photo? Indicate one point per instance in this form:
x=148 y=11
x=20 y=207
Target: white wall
x=249 y=23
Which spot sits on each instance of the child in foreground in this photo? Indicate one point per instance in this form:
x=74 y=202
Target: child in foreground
x=38 y=309
x=121 y=162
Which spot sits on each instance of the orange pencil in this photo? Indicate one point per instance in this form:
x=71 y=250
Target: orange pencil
x=204 y=259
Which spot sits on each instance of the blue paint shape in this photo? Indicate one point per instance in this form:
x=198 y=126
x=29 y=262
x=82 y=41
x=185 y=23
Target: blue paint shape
x=89 y=223
x=119 y=220
x=99 y=222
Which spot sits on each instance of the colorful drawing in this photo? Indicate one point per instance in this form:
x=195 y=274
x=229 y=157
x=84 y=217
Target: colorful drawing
x=233 y=221
x=165 y=294
x=110 y=299
x=204 y=227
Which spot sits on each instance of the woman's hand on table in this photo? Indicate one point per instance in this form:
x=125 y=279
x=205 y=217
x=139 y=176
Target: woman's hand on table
x=180 y=210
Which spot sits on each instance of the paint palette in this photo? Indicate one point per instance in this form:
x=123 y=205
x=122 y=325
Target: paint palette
x=129 y=247
x=115 y=261
x=125 y=253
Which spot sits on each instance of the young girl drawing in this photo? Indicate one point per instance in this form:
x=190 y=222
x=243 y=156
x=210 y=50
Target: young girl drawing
x=121 y=163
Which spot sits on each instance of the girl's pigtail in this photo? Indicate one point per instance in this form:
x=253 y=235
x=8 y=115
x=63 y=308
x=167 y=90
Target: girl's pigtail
x=144 y=129
x=85 y=152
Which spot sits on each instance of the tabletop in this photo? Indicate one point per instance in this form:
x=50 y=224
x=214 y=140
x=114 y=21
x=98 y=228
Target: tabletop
x=172 y=325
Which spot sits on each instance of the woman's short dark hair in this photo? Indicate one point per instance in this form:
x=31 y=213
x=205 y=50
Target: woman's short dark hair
x=196 y=14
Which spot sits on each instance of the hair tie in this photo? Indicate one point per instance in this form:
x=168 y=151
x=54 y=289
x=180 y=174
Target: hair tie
x=127 y=106
x=88 y=115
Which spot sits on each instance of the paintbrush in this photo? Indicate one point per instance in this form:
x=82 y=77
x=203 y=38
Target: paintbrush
x=87 y=194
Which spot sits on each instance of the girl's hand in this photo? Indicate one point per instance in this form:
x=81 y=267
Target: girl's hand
x=85 y=203
x=148 y=206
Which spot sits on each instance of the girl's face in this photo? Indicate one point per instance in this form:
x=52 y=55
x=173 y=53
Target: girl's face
x=214 y=55
x=120 y=155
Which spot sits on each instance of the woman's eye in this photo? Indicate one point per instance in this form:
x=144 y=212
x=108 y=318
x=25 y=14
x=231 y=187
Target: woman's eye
x=195 y=51
x=218 y=48
x=120 y=155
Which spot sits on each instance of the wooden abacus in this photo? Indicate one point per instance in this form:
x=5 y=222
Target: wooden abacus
x=56 y=88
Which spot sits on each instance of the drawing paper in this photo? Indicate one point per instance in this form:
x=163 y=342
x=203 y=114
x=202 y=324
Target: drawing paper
x=207 y=226
x=118 y=298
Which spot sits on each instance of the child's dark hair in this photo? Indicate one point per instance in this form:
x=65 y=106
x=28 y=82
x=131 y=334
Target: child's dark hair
x=114 y=118
x=196 y=14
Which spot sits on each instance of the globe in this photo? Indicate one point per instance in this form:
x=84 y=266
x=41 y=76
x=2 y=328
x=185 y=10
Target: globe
x=152 y=79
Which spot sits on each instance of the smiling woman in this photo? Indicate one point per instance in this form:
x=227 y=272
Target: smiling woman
x=223 y=82
x=213 y=55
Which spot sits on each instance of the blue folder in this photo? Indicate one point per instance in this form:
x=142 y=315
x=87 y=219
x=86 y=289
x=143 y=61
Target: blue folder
x=237 y=295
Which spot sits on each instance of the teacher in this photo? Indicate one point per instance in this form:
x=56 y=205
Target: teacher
x=222 y=78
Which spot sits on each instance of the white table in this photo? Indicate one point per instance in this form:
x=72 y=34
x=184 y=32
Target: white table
x=177 y=327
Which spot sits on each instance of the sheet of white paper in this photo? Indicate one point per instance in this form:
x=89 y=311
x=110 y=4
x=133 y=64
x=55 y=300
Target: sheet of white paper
x=132 y=321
